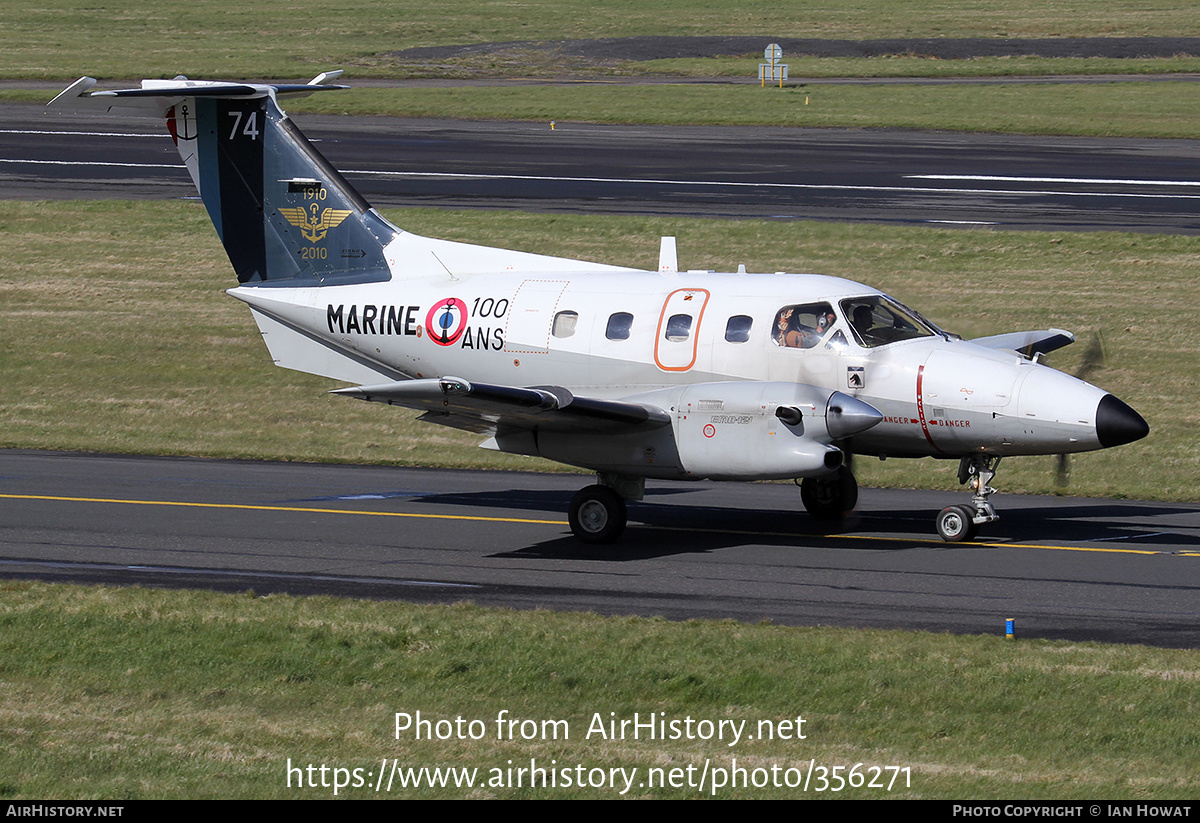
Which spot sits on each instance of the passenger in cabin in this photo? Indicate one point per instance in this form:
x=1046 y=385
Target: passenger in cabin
x=783 y=323
x=802 y=327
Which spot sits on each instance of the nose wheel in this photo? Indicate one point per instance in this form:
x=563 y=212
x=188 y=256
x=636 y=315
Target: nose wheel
x=956 y=524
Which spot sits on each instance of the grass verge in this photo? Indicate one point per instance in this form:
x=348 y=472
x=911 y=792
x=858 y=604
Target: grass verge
x=106 y=347
x=130 y=693
x=1108 y=109
x=1116 y=109
x=911 y=66
x=255 y=38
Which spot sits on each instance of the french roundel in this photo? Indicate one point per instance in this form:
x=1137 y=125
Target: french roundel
x=446 y=321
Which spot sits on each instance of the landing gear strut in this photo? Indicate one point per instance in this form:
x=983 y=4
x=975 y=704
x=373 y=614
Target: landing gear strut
x=831 y=497
x=961 y=523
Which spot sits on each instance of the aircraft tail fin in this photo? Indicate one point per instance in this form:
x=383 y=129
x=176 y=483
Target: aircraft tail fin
x=283 y=213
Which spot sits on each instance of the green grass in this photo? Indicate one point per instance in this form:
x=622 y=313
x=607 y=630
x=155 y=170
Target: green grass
x=1110 y=109
x=1129 y=109
x=220 y=39
x=130 y=694
x=909 y=66
x=295 y=38
x=105 y=347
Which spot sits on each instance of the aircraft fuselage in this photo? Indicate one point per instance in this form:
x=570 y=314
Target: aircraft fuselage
x=628 y=333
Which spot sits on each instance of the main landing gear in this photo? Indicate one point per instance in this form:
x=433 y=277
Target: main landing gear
x=956 y=524
x=831 y=497
x=597 y=514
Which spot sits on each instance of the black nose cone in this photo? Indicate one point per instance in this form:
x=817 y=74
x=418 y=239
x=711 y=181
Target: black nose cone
x=1117 y=423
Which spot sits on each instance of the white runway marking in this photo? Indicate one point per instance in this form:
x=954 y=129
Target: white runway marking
x=768 y=185
x=978 y=178
x=96 y=163
x=1085 y=181
x=85 y=133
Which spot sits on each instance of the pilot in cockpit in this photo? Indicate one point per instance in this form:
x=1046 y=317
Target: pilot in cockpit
x=862 y=321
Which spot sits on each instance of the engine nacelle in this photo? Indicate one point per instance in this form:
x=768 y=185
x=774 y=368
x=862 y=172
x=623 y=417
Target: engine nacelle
x=723 y=431
x=740 y=431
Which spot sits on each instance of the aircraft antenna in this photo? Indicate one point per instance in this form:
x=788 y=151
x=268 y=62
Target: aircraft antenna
x=443 y=265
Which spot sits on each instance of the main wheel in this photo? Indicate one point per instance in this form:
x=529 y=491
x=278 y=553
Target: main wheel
x=831 y=497
x=955 y=524
x=597 y=514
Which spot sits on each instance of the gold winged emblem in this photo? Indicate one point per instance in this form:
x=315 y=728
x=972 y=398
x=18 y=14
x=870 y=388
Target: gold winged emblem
x=314 y=225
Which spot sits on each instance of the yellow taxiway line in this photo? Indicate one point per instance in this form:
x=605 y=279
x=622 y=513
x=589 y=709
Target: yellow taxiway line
x=493 y=519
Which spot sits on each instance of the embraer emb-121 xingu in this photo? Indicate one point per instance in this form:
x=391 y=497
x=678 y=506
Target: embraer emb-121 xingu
x=633 y=374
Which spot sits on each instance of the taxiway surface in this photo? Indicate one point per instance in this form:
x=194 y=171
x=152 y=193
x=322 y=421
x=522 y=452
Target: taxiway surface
x=1070 y=184
x=1118 y=571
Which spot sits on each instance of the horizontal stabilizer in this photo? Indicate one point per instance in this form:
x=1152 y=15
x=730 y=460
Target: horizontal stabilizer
x=154 y=97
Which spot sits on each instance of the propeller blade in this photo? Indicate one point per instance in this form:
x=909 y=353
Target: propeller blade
x=1094 y=357
x=1092 y=360
x=1062 y=470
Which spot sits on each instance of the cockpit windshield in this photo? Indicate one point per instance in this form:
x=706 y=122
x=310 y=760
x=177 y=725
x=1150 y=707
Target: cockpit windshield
x=878 y=320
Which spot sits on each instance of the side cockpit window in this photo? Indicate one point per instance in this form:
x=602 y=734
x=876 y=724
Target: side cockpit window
x=877 y=320
x=802 y=326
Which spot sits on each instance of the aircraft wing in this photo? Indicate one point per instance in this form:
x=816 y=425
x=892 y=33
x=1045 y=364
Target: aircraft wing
x=486 y=408
x=1028 y=343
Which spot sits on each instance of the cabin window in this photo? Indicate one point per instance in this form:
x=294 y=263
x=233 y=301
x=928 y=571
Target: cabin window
x=802 y=326
x=619 y=325
x=679 y=327
x=737 y=330
x=564 y=323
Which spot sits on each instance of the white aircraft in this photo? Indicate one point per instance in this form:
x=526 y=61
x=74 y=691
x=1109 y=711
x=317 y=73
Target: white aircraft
x=633 y=374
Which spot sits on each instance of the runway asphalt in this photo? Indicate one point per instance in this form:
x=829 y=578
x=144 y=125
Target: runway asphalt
x=1069 y=184
x=1110 y=570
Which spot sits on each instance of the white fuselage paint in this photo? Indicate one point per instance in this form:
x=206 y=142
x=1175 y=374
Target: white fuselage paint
x=536 y=324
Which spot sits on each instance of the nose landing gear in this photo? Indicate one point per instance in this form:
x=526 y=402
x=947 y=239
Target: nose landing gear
x=956 y=524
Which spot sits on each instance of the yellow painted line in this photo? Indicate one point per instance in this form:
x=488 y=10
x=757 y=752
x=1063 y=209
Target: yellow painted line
x=300 y=509
x=314 y=510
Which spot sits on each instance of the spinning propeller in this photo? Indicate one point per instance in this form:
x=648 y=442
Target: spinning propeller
x=1093 y=360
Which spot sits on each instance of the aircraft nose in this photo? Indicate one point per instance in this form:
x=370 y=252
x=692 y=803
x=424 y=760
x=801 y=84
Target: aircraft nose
x=1117 y=423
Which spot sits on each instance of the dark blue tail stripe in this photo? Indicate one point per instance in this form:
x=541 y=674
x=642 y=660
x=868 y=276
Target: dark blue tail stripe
x=283 y=213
